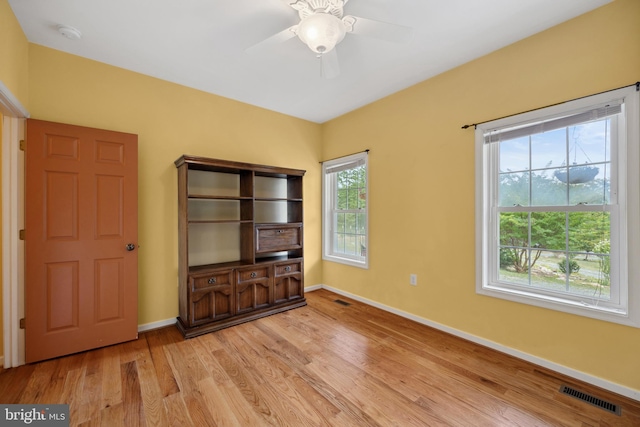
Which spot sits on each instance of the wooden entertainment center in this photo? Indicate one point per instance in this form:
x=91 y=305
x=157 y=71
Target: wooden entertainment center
x=240 y=233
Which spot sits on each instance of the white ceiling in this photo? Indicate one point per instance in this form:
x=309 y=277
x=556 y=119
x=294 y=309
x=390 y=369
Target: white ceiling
x=201 y=44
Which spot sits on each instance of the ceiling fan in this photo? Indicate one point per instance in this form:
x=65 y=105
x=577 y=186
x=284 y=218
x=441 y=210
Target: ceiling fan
x=323 y=25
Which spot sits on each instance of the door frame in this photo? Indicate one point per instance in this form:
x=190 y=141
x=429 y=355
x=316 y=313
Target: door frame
x=13 y=121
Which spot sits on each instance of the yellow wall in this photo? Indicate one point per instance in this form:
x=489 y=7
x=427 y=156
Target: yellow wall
x=422 y=188
x=14 y=49
x=172 y=120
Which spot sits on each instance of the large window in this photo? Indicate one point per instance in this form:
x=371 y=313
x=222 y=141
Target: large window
x=345 y=201
x=557 y=207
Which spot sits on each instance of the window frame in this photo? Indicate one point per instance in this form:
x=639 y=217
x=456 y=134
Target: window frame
x=329 y=197
x=625 y=230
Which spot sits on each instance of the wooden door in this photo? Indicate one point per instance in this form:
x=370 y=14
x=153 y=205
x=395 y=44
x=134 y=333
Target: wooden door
x=81 y=279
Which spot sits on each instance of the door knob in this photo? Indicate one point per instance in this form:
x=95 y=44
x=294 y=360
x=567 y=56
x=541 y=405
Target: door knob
x=130 y=247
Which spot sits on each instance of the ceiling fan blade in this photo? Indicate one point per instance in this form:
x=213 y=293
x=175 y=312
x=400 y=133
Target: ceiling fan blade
x=274 y=40
x=330 y=65
x=379 y=30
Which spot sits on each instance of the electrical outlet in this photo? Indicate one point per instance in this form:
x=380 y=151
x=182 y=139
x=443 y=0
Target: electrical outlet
x=413 y=279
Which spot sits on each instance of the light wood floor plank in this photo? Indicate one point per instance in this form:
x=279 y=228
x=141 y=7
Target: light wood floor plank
x=91 y=392
x=157 y=341
x=111 y=416
x=198 y=409
x=325 y=364
x=131 y=396
x=151 y=394
x=177 y=411
x=73 y=395
x=111 y=383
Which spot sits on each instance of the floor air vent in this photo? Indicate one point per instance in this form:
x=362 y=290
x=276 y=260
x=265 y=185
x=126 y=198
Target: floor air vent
x=592 y=400
x=339 y=301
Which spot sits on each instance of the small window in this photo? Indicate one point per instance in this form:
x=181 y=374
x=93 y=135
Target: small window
x=557 y=207
x=345 y=210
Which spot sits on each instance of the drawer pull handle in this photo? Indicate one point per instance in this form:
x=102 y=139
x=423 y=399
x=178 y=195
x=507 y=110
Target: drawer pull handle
x=254 y=274
x=212 y=281
x=280 y=231
x=287 y=268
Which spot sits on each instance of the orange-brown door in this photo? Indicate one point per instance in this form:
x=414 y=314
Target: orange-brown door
x=81 y=278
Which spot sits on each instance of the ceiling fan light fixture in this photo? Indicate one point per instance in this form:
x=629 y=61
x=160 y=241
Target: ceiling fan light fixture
x=321 y=32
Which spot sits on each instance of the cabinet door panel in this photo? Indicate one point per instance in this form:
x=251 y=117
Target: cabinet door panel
x=296 y=287
x=287 y=288
x=245 y=297
x=201 y=307
x=263 y=294
x=212 y=304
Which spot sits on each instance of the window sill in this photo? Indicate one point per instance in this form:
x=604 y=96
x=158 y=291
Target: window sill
x=579 y=308
x=347 y=261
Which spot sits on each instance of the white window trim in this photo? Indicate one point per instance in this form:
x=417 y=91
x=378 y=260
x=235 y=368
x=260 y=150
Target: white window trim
x=629 y=165
x=327 y=223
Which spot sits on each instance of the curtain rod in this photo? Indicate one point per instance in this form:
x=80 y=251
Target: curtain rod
x=475 y=125
x=328 y=160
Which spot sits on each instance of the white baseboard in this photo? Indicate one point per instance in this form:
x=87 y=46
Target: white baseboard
x=156 y=325
x=599 y=382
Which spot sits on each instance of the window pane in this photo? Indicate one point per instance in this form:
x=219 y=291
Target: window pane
x=585 y=277
x=362 y=198
x=350 y=199
x=514 y=155
x=545 y=273
x=548 y=230
x=363 y=245
x=514 y=229
x=350 y=244
x=350 y=223
x=595 y=191
x=549 y=149
x=590 y=142
x=514 y=189
x=588 y=231
x=341 y=180
x=340 y=223
x=514 y=265
x=546 y=190
x=338 y=243
x=341 y=203
x=361 y=223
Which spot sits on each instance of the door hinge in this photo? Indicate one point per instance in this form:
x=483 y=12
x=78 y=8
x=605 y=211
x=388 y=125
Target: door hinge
x=22 y=144
x=22 y=323
x=21 y=234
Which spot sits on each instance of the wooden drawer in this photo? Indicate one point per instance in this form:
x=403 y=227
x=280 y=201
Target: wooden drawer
x=278 y=237
x=288 y=268
x=207 y=280
x=253 y=274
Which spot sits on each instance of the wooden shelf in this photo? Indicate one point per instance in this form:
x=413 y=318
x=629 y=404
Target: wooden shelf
x=206 y=197
x=220 y=221
x=252 y=213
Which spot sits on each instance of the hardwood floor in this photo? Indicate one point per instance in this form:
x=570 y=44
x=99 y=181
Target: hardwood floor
x=321 y=365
